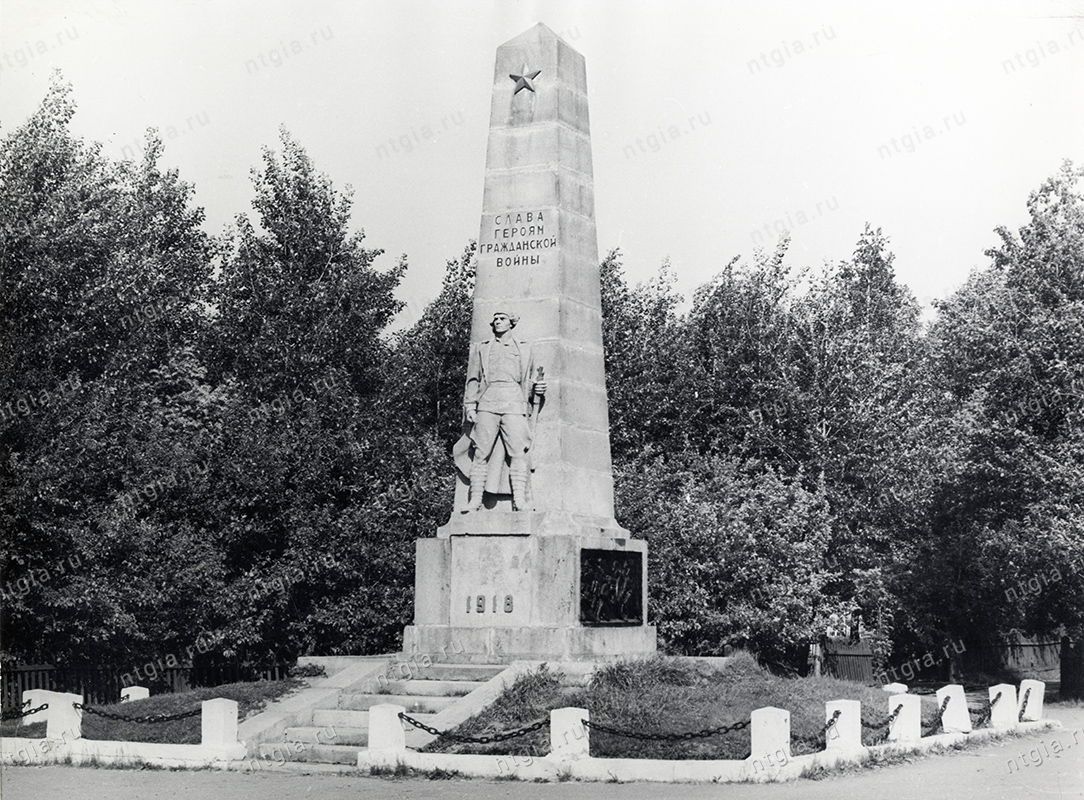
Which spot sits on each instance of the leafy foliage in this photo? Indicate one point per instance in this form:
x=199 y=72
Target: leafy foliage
x=1005 y=535
x=105 y=267
x=736 y=554
x=213 y=447
x=315 y=558
x=428 y=360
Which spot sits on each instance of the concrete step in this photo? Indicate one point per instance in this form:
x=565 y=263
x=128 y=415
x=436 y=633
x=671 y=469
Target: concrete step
x=278 y=752
x=329 y=734
x=340 y=718
x=336 y=735
x=461 y=672
x=335 y=664
x=431 y=688
x=412 y=702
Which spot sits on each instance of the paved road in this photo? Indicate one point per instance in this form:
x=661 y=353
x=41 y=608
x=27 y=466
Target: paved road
x=1047 y=765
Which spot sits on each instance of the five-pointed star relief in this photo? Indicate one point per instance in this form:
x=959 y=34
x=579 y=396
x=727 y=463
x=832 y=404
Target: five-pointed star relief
x=523 y=80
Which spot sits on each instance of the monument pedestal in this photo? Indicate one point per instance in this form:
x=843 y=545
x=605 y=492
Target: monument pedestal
x=528 y=523
x=502 y=598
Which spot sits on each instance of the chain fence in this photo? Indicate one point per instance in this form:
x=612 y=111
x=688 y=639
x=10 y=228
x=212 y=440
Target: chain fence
x=666 y=737
x=1023 y=705
x=21 y=713
x=815 y=741
x=884 y=725
x=487 y=739
x=534 y=726
x=820 y=740
x=141 y=719
x=937 y=723
x=986 y=711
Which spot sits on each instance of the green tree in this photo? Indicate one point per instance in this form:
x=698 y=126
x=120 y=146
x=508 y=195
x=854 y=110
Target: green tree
x=429 y=359
x=302 y=301
x=736 y=554
x=312 y=478
x=1006 y=535
x=866 y=401
x=741 y=374
x=104 y=269
x=643 y=359
x=819 y=388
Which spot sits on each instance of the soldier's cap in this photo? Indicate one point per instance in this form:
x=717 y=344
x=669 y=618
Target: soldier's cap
x=512 y=316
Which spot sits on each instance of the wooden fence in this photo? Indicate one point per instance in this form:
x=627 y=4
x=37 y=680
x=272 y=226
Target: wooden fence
x=103 y=686
x=1047 y=661
x=849 y=661
x=1072 y=669
x=1033 y=659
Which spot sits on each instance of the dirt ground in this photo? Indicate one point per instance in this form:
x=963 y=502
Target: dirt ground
x=1046 y=765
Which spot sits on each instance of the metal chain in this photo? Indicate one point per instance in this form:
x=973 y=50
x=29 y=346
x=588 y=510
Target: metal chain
x=888 y=721
x=940 y=715
x=19 y=713
x=830 y=722
x=496 y=737
x=815 y=741
x=667 y=737
x=1023 y=705
x=987 y=710
x=145 y=719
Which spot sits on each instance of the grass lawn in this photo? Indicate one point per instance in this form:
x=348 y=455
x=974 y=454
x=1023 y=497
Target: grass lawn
x=251 y=698
x=669 y=695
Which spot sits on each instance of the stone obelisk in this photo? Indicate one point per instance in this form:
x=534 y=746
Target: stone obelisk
x=560 y=580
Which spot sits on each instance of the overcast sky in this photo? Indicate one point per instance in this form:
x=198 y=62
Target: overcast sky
x=715 y=127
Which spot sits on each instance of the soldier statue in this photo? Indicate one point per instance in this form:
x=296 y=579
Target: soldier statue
x=502 y=392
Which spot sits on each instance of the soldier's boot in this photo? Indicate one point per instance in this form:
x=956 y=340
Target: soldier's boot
x=477 y=484
x=517 y=475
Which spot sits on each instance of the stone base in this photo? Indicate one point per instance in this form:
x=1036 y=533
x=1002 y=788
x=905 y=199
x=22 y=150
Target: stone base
x=501 y=598
x=465 y=645
x=493 y=522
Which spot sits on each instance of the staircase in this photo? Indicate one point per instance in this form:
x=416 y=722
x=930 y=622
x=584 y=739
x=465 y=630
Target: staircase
x=337 y=734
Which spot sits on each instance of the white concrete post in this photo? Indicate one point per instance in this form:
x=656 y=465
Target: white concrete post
x=385 y=728
x=1034 y=691
x=134 y=693
x=907 y=726
x=65 y=720
x=770 y=737
x=36 y=697
x=956 y=719
x=218 y=722
x=1003 y=715
x=569 y=737
x=895 y=688
x=846 y=733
